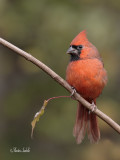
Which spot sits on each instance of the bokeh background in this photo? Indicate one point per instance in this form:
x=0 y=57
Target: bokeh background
x=45 y=29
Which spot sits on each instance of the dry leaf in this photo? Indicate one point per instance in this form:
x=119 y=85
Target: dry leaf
x=37 y=116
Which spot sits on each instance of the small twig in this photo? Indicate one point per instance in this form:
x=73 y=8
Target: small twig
x=62 y=82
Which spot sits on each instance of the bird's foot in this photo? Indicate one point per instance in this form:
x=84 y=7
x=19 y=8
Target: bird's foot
x=93 y=107
x=73 y=92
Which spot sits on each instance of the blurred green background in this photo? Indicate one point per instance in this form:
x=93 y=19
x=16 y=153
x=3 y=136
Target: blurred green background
x=45 y=29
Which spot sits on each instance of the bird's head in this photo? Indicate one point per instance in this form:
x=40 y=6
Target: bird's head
x=81 y=48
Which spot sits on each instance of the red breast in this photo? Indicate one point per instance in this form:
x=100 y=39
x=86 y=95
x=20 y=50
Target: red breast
x=88 y=77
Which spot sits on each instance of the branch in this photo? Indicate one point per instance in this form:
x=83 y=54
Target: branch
x=61 y=81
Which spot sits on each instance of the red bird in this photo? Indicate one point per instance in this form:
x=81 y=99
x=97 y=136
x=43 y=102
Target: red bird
x=85 y=72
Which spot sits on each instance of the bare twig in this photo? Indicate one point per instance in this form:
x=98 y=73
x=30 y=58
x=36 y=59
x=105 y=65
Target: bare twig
x=61 y=81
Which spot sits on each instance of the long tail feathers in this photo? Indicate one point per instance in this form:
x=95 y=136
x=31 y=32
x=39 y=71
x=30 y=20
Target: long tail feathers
x=86 y=120
x=93 y=129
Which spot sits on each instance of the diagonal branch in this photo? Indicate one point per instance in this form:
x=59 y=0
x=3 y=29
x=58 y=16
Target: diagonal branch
x=61 y=81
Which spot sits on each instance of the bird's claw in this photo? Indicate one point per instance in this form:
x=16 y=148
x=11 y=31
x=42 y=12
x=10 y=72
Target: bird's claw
x=93 y=107
x=73 y=92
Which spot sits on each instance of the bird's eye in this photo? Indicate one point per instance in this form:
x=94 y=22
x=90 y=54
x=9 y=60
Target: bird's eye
x=77 y=47
x=80 y=46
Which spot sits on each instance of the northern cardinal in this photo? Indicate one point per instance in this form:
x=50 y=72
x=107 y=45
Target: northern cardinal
x=85 y=72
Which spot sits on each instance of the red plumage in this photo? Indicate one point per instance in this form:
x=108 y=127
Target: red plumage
x=86 y=74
